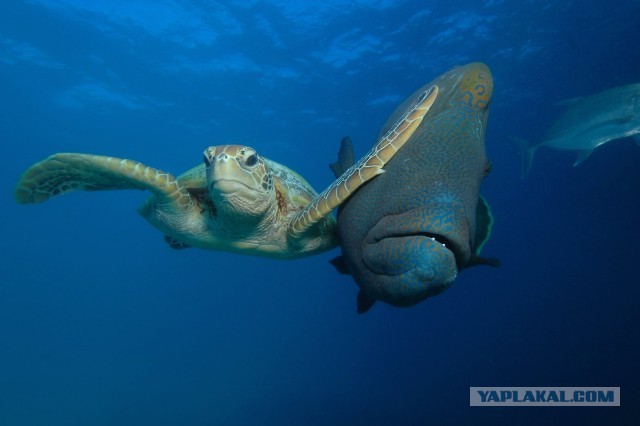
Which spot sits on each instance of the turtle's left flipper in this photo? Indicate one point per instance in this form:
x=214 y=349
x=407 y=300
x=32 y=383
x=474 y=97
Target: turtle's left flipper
x=68 y=172
x=364 y=170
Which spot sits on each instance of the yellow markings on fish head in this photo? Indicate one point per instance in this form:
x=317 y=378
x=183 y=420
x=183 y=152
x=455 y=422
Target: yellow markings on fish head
x=476 y=86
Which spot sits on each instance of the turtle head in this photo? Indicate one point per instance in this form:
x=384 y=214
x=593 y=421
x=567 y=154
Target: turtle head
x=238 y=180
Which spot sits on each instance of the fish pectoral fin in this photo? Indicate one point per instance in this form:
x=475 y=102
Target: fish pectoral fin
x=582 y=155
x=476 y=260
x=340 y=265
x=484 y=225
x=365 y=302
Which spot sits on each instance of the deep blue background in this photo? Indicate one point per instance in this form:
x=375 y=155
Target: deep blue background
x=102 y=324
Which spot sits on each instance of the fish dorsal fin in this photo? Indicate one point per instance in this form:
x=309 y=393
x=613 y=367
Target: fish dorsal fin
x=582 y=155
x=484 y=224
x=567 y=103
x=345 y=157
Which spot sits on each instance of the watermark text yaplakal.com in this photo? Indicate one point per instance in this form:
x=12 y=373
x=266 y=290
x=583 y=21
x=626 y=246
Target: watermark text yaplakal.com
x=539 y=396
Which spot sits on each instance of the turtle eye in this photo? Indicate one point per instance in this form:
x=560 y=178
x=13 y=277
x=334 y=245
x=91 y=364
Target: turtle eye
x=252 y=160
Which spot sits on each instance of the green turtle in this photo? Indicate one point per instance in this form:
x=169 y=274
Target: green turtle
x=235 y=201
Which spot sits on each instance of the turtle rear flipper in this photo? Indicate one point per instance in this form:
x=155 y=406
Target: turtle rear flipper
x=63 y=173
x=175 y=243
x=364 y=170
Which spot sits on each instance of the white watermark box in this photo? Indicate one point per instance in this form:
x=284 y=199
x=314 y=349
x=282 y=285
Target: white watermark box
x=544 y=396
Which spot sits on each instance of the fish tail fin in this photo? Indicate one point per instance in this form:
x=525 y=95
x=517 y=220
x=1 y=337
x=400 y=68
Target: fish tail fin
x=528 y=151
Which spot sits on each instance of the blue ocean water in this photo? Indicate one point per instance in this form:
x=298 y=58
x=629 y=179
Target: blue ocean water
x=102 y=324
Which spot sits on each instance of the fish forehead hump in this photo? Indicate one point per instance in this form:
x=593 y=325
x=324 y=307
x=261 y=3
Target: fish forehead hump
x=445 y=158
x=472 y=83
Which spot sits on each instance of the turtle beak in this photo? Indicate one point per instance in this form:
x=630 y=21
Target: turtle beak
x=225 y=176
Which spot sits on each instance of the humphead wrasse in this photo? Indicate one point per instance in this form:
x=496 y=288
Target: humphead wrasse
x=590 y=122
x=405 y=234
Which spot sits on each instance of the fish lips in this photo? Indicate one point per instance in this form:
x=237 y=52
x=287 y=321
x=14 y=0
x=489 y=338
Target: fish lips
x=413 y=255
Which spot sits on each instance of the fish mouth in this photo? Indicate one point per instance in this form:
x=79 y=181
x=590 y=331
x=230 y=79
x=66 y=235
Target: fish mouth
x=405 y=226
x=436 y=241
x=438 y=238
x=405 y=266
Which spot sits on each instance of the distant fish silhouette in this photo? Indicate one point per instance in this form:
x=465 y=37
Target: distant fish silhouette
x=590 y=122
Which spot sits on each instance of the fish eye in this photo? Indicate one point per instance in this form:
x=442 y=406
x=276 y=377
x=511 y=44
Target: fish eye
x=252 y=160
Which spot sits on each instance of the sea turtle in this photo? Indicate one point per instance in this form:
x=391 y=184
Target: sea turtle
x=236 y=200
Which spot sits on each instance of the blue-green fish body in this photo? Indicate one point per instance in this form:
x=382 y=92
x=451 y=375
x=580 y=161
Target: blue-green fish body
x=590 y=122
x=406 y=234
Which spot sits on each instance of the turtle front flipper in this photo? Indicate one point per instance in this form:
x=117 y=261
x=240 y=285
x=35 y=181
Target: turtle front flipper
x=364 y=170
x=62 y=173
